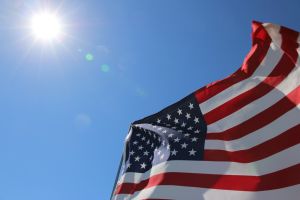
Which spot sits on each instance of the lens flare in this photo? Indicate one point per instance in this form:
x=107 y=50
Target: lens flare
x=89 y=57
x=105 y=68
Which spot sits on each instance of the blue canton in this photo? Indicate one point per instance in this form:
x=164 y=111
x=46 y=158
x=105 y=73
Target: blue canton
x=175 y=133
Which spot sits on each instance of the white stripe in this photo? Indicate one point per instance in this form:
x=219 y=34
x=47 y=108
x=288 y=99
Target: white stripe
x=276 y=162
x=273 y=31
x=193 y=193
x=121 y=197
x=265 y=68
x=275 y=128
x=259 y=105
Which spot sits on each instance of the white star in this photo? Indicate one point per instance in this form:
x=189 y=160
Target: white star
x=168 y=116
x=164 y=131
x=158 y=121
x=158 y=152
x=146 y=153
x=160 y=128
x=188 y=115
x=183 y=146
x=176 y=121
x=148 y=141
x=192 y=152
x=143 y=166
x=135 y=142
x=131 y=152
x=143 y=138
x=183 y=124
x=180 y=131
x=141 y=147
x=162 y=156
x=128 y=165
x=137 y=158
x=197 y=131
x=190 y=128
x=187 y=135
x=191 y=106
x=168 y=146
x=174 y=152
x=170 y=135
x=138 y=134
x=196 y=120
x=194 y=139
x=176 y=139
x=179 y=111
x=152 y=145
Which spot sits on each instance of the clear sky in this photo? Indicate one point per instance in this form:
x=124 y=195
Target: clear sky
x=65 y=114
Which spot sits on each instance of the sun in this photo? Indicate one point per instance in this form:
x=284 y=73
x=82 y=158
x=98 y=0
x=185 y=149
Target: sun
x=46 y=26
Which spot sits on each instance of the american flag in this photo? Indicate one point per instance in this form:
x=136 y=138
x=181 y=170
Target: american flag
x=236 y=139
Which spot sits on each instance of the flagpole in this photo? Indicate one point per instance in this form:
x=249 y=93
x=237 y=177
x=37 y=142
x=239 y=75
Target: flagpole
x=117 y=177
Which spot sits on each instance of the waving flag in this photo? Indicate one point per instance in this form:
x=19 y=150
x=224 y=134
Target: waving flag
x=237 y=139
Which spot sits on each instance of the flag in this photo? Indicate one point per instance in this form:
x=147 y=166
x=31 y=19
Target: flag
x=236 y=139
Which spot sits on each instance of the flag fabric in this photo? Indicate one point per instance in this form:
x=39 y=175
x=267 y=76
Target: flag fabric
x=235 y=139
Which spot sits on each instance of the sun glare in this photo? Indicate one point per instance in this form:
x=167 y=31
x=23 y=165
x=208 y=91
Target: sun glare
x=46 y=26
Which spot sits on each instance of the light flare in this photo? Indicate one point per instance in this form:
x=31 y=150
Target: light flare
x=46 y=26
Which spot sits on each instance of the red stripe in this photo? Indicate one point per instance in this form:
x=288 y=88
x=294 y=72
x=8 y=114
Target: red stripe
x=282 y=69
x=283 y=178
x=260 y=120
x=290 y=42
x=260 y=46
x=279 y=143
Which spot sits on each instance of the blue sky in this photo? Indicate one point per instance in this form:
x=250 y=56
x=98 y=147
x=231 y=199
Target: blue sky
x=64 y=119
